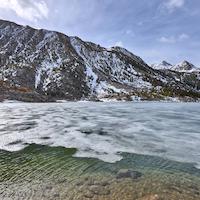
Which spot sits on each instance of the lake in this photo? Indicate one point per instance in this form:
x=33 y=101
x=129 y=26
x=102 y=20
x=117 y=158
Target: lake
x=92 y=150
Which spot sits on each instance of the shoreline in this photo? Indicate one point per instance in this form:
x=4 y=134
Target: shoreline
x=100 y=101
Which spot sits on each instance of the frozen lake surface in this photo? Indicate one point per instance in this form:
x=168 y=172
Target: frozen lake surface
x=104 y=130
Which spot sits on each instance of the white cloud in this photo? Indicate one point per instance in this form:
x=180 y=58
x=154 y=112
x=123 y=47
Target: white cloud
x=171 y=5
x=31 y=10
x=130 y=33
x=119 y=44
x=183 y=36
x=170 y=39
x=174 y=39
x=140 y=23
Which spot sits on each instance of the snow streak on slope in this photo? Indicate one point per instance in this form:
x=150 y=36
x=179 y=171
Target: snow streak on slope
x=52 y=61
x=102 y=63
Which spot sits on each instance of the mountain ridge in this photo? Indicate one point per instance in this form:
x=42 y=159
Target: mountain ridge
x=184 y=66
x=52 y=66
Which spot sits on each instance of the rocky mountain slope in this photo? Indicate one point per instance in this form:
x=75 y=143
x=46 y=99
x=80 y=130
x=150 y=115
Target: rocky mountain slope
x=42 y=65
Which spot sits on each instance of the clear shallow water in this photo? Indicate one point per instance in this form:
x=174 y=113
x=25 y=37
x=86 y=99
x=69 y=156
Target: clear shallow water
x=103 y=130
x=43 y=172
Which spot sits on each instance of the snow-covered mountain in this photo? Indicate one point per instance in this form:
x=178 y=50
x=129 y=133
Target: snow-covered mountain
x=184 y=72
x=185 y=66
x=42 y=65
x=162 y=66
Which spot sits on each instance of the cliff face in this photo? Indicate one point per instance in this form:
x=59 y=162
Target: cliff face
x=41 y=65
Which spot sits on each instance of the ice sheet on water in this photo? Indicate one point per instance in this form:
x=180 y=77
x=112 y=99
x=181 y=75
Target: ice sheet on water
x=102 y=130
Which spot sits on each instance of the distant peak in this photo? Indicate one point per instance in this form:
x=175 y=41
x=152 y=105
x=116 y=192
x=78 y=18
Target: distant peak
x=185 y=66
x=165 y=63
x=185 y=63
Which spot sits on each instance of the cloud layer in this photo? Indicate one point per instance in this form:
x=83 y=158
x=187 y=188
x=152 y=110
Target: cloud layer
x=155 y=30
x=171 y=5
x=26 y=9
x=174 y=39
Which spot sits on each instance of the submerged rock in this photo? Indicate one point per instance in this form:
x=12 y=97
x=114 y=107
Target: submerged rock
x=127 y=173
x=99 y=190
x=150 y=197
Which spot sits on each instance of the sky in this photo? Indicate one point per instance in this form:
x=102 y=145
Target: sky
x=155 y=30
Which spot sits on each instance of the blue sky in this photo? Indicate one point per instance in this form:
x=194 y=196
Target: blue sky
x=155 y=30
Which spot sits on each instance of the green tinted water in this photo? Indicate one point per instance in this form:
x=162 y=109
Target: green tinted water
x=42 y=172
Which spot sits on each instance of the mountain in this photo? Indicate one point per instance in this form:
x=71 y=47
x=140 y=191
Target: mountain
x=41 y=65
x=185 y=66
x=162 y=66
x=184 y=72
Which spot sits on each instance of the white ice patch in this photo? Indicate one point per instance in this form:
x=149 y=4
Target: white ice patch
x=102 y=130
x=197 y=166
x=172 y=99
x=109 y=100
